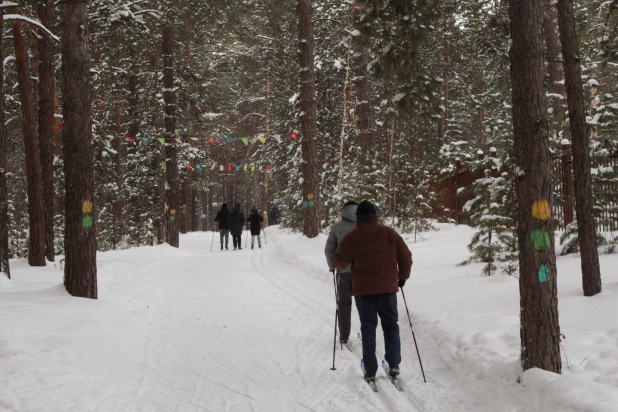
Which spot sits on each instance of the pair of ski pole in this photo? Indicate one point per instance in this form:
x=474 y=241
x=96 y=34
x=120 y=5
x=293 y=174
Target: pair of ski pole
x=337 y=317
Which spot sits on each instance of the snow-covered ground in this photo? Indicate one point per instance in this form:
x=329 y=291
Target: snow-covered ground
x=192 y=330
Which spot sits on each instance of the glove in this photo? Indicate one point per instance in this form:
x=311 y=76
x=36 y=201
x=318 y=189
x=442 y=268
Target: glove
x=332 y=270
x=401 y=283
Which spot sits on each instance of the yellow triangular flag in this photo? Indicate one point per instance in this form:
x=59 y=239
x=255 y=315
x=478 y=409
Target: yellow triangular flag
x=261 y=138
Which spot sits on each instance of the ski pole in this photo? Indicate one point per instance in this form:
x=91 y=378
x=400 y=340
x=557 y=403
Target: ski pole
x=336 y=318
x=213 y=239
x=413 y=336
x=265 y=242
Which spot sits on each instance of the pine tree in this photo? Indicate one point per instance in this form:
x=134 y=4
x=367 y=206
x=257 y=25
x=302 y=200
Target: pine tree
x=80 y=267
x=591 y=272
x=540 y=330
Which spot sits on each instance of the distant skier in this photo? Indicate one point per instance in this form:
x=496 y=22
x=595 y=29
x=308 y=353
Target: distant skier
x=344 y=276
x=274 y=215
x=255 y=220
x=237 y=222
x=223 y=217
x=381 y=264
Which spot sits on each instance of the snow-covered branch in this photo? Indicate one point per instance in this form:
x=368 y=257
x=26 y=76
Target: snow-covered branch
x=31 y=21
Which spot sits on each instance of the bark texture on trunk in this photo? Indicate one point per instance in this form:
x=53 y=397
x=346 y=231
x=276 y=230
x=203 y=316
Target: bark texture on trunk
x=310 y=185
x=540 y=330
x=591 y=272
x=47 y=85
x=36 y=241
x=169 y=109
x=362 y=83
x=80 y=243
x=4 y=216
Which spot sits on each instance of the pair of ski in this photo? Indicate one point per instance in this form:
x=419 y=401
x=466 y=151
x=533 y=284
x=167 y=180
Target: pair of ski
x=394 y=379
x=372 y=383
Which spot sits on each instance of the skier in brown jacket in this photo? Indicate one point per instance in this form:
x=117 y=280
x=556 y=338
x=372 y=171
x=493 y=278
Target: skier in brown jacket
x=381 y=264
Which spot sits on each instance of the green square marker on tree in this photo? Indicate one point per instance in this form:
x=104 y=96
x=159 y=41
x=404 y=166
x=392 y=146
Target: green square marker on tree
x=540 y=239
x=87 y=222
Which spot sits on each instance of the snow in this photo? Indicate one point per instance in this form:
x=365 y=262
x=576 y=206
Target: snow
x=398 y=97
x=565 y=142
x=192 y=330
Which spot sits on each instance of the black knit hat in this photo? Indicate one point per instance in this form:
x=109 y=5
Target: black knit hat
x=224 y=206
x=351 y=203
x=366 y=211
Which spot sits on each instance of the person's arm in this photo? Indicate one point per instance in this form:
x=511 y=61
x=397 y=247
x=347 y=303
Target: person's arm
x=217 y=217
x=344 y=255
x=330 y=248
x=404 y=259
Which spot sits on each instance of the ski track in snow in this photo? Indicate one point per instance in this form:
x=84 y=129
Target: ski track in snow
x=192 y=330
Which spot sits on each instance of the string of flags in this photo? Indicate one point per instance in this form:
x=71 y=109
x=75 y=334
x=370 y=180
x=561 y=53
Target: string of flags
x=261 y=138
x=223 y=168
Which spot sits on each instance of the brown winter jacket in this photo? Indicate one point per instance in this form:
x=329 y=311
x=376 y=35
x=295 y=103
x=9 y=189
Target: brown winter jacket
x=379 y=258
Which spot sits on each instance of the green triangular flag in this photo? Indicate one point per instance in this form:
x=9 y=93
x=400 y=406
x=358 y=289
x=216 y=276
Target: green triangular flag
x=245 y=140
x=161 y=140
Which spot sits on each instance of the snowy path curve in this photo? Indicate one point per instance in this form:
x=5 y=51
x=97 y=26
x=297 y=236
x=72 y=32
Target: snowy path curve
x=193 y=330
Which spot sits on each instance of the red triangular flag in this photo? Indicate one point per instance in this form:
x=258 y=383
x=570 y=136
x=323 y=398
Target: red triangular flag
x=294 y=136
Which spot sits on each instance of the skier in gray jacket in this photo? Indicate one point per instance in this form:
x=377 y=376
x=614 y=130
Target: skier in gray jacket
x=344 y=277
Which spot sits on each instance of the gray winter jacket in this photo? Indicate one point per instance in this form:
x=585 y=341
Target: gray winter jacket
x=337 y=232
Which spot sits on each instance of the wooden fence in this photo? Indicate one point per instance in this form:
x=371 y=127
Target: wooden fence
x=451 y=199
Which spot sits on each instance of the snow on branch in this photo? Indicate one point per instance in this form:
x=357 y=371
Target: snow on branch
x=31 y=21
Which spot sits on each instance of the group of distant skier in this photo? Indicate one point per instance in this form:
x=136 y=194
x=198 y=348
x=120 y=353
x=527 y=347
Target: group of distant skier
x=234 y=222
x=371 y=262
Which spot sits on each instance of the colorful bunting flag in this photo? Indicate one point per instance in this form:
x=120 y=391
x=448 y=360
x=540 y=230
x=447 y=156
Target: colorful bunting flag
x=94 y=134
x=213 y=167
x=268 y=168
x=229 y=168
x=245 y=168
x=177 y=140
x=61 y=127
x=198 y=166
x=163 y=164
x=145 y=139
x=294 y=136
x=128 y=138
x=211 y=139
x=245 y=140
x=161 y=140
x=221 y=168
x=237 y=168
x=253 y=168
x=278 y=138
x=228 y=138
x=188 y=165
x=261 y=138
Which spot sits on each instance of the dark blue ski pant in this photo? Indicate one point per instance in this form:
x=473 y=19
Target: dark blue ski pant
x=369 y=308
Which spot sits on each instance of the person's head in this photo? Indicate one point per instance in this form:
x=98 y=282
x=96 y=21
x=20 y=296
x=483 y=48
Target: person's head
x=224 y=206
x=237 y=206
x=254 y=209
x=366 y=211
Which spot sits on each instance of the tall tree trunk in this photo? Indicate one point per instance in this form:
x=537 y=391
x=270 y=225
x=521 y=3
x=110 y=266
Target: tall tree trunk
x=4 y=207
x=80 y=242
x=169 y=109
x=539 y=330
x=36 y=244
x=47 y=86
x=309 y=168
x=591 y=272
x=362 y=83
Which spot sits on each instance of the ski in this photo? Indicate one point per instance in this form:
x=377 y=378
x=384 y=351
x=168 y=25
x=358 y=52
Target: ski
x=348 y=345
x=394 y=380
x=372 y=382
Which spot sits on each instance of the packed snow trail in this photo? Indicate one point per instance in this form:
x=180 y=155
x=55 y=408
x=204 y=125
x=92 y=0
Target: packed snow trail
x=192 y=330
